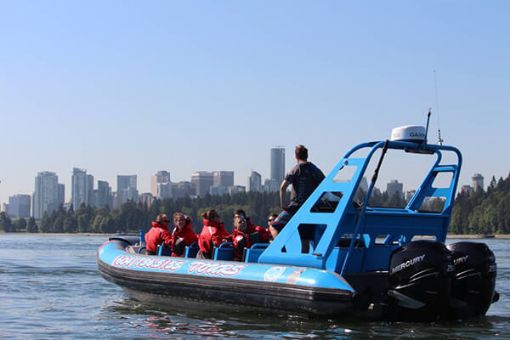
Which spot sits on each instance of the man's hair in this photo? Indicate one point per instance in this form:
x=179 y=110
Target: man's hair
x=239 y=212
x=301 y=152
x=209 y=214
x=161 y=217
x=178 y=215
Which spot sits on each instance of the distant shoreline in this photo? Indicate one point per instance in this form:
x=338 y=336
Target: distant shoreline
x=58 y=234
x=478 y=236
x=449 y=236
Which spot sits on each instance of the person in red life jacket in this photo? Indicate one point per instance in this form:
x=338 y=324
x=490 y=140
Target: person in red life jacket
x=182 y=235
x=270 y=229
x=245 y=234
x=158 y=234
x=213 y=234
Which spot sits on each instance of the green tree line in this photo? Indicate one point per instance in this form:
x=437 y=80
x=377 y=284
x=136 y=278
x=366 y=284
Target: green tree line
x=132 y=217
x=483 y=212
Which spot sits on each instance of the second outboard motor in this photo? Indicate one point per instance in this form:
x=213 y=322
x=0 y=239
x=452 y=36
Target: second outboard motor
x=420 y=276
x=474 y=281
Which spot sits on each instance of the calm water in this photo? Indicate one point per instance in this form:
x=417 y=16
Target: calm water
x=50 y=288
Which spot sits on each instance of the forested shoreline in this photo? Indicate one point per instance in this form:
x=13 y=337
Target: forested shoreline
x=479 y=212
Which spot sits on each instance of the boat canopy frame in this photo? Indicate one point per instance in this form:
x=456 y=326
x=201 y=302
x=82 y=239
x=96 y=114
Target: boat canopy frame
x=331 y=231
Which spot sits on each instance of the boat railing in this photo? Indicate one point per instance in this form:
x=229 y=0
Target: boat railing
x=310 y=238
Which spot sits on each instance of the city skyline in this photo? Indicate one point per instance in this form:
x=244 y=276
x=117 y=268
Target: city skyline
x=221 y=181
x=214 y=85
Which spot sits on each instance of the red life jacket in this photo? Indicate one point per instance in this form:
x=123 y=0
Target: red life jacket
x=157 y=235
x=241 y=240
x=187 y=235
x=212 y=235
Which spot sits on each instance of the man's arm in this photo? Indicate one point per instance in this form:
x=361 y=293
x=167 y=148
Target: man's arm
x=283 y=188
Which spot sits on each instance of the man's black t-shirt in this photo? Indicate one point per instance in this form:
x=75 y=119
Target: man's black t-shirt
x=304 y=177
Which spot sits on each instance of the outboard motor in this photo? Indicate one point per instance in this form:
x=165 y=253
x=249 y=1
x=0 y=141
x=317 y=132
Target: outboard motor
x=420 y=276
x=474 y=280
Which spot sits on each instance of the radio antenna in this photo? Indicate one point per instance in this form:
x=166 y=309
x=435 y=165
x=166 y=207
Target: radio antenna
x=427 y=128
x=439 y=139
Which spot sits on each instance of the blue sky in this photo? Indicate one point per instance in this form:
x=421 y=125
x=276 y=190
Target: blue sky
x=132 y=87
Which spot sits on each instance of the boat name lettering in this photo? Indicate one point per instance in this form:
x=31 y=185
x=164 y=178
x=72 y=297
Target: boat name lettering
x=126 y=261
x=214 y=268
x=460 y=260
x=408 y=263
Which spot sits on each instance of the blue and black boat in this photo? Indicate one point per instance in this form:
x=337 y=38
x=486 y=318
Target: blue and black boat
x=337 y=254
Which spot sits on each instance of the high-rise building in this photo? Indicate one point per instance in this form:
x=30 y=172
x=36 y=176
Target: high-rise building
x=19 y=206
x=219 y=190
x=146 y=198
x=164 y=190
x=236 y=189
x=477 y=182
x=61 y=194
x=160 y=177
x=223 y=178
x=82 y=188
x=466 y=189
x=47 y=194
x=255 y=182
x=126 y=189
x=271 y=185
x=182 y=189
x=409 y=194
x=203 y=181
x=394 y=187
x=103 y=195
x=277 y=164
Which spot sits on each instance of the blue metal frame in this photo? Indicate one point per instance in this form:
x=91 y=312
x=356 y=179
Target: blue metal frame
x=322 y=232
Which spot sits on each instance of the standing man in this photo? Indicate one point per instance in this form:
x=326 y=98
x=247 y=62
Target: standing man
x=305 y=177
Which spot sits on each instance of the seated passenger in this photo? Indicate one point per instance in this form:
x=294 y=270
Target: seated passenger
x=245 y=234
x=157 y=235
x=213 y=234
x=270 y=229
x=182 y=235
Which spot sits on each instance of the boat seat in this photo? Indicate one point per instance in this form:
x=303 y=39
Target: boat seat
x=224 y=252
x=252 y=254
x=191 y=250
x=163 y=250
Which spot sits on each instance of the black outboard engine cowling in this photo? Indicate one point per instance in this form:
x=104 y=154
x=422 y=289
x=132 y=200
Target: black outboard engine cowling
x=420 y=276
x=474 y=281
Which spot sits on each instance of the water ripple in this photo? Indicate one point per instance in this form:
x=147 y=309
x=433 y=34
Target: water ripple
x=50 y=288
